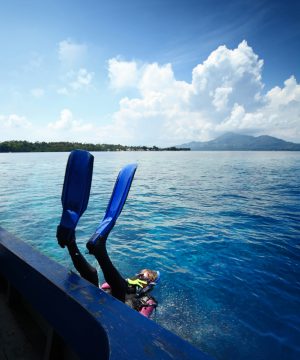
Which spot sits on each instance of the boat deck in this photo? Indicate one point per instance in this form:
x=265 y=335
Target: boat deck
x=50 y=313
x=14 y=343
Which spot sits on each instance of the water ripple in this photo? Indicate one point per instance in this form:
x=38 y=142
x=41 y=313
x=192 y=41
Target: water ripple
x=223 y=228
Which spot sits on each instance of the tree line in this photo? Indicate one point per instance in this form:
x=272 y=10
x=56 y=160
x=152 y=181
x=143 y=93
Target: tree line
x=26 y=146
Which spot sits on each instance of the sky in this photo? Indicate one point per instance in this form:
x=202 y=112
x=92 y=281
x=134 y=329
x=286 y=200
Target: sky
x=155 y=72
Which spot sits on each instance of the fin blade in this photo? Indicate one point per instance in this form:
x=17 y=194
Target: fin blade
x=116 y=202
x=76 y=189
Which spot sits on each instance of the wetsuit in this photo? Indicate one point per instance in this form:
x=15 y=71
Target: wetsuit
x=119 y=287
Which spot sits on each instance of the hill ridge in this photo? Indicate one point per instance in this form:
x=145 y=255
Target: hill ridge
x=239 y=142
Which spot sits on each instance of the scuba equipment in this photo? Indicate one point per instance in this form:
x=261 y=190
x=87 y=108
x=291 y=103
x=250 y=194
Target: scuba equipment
x=142 y=284
x=138 y=293
x=75 y=193
x=115 y=205
x=137 y=282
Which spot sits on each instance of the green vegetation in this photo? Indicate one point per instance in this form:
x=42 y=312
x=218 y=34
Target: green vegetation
x=25 y=146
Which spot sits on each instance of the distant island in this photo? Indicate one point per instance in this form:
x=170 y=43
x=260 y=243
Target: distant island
x=26 y=146
x=238 y=142
x=226 y=142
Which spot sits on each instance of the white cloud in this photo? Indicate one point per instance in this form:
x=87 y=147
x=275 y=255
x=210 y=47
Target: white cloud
x=220 y=99
x=226 y=94
x=66 y=122
x=14 y=127
x=72 y=56
x=82 y=80
x=76 y=81
x=65 y=128
x=279 y=116
x=71 y=53
x=14 y=121
x=122 y=74
x=37 y=92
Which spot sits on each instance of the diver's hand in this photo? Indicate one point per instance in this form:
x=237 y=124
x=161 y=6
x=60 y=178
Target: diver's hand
x=137 y=282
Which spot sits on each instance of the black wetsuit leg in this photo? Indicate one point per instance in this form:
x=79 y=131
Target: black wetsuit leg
x=112 y=276
x=86 y=270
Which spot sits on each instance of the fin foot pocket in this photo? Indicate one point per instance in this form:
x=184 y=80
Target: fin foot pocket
x=64 y=235
x=94 y=243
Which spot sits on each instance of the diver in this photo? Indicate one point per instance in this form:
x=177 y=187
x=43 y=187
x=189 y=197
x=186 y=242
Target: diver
x=134 y=291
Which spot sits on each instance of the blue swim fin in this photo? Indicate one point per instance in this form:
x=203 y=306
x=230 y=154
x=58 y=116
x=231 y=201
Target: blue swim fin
x=115 y=205
x=75 y=193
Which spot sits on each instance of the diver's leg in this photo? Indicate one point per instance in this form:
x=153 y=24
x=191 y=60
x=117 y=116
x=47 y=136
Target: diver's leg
x=112 y=276
x=86 y=270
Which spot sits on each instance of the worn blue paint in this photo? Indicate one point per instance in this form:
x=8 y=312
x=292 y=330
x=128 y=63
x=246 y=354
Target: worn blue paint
x=104 y=327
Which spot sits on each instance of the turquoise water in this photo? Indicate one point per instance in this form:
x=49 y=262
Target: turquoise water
x=222 y=227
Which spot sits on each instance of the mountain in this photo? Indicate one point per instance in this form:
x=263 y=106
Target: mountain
x=238 y=142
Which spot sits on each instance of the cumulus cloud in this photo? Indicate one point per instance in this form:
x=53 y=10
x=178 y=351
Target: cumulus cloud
x=71 y=53
x=14 y=121
x=14 y=127
x=83 y=79
x=66 y=122
x=279 y=116
x=75 y=81
x=122 y=74
x=65 y=128
x=226 y=93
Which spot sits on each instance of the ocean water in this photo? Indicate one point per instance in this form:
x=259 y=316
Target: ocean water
x=222 y=227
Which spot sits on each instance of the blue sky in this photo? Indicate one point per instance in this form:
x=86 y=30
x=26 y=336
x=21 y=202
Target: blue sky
x=151 y=73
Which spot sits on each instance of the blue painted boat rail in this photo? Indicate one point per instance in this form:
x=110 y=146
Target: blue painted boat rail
x=87 y=320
